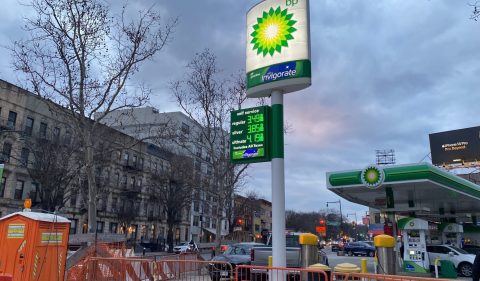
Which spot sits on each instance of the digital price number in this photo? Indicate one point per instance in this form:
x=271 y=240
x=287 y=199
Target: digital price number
x=249 y=135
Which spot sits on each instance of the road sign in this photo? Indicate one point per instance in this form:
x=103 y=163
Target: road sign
x=333 y=223
x=249 y=135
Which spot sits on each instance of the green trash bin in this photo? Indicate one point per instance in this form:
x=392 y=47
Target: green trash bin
x=447 y=269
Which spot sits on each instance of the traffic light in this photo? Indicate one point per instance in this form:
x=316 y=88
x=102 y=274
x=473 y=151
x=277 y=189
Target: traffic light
x=322 y=222
x=239 y=221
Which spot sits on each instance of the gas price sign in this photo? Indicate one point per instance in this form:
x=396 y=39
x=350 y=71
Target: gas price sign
x=249 y=135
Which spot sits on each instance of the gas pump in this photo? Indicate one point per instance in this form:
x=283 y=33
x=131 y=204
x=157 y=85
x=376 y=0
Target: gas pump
x=452 y=234
x=415 y=256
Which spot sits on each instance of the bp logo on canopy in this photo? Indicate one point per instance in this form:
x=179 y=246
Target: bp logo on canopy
x=372 y=176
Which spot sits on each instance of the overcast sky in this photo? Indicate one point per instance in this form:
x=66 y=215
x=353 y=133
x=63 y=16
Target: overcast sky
x=385 y=75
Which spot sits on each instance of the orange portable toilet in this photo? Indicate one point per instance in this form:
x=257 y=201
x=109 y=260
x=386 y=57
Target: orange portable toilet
x=33 y=246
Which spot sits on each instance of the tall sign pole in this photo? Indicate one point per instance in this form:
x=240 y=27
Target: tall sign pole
x=278 y=182
x=278 y=62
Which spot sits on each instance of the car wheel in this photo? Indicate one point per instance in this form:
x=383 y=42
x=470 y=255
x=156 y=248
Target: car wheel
x=371 y=254
x=465 y=269
x=350 y=253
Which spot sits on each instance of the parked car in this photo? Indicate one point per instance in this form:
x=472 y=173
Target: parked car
x=185 y=247
x=461 y=259
x=337 y=246
x=359 y=248
x=472 y=249
x=236 y=254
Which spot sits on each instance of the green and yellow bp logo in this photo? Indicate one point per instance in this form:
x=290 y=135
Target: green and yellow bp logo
x=372 y=176
x=272 y=31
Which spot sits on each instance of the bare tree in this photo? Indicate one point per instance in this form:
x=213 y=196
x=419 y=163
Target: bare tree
x=207 y=99
x=476 y=10
x=173 y=191
x=53 y=166
x=81 y=57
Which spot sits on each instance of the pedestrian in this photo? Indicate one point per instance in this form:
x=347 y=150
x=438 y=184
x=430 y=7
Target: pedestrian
x=476 y=267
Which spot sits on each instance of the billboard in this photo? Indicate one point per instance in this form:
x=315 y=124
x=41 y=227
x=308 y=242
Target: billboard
x=455 y=147
x=278 y=47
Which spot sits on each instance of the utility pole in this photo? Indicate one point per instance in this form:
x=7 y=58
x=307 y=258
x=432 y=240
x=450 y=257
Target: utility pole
x=341 y=216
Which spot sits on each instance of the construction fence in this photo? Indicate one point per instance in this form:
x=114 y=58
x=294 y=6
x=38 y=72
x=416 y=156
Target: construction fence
x=190 y=267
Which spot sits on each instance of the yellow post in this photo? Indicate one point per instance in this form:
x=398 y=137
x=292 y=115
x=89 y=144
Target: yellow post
x=363 y=265
x=270 y=261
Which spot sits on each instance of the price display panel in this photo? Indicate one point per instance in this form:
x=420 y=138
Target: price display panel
x=249 y=135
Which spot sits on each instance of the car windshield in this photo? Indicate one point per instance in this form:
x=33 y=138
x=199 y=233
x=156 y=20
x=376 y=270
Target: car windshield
x=290 y=240
x=461 y=251
x=239 y=249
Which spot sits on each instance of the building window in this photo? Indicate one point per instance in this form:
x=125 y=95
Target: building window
x=214 y=223
x=114 y=204
x=19 y=190
x=43 y=130
x=68 y=137
x=257 y=228
x=132 y=182
x=199 y=151
x=56 y=133
x=113 y=227
x=73 y=226
x=7 y=151
x=29 y=126
x=73 y=200
x=134 y=161
x=185 y=129
x=139 y=184
x=126 y=157
x=12 y=120
x=2 y=186
x=196 y=207
x=140 y=165
x=24 y=157
x=196 y=220
x=124 y=181
x=34 y=191
x=100 y=226
x=117 y=179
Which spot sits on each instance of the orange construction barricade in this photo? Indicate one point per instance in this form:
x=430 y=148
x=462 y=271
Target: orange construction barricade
x=33 y=246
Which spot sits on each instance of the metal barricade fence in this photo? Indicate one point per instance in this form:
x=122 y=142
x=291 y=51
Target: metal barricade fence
x=265 y=273
x=340 y=276
x=110 y=269
x=142 y=269
x=195 y=270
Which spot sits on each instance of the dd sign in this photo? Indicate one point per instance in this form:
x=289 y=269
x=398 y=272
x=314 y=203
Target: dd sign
x=249 y=135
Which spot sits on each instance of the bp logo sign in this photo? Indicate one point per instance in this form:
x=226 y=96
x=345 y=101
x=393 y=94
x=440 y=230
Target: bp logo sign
x=278 y=47
x=272 y=31
x=372 y=176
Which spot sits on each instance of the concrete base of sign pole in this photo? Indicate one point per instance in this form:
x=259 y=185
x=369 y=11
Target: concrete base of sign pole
x=278 y=196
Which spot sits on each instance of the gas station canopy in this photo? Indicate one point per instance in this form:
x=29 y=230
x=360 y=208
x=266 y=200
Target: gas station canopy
x=423 y=189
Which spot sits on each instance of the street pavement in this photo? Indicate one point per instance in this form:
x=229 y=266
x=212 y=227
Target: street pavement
x=334 y=260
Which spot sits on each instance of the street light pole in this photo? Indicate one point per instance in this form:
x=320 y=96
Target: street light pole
x=356 y=222
x=341 y=216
